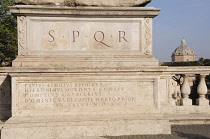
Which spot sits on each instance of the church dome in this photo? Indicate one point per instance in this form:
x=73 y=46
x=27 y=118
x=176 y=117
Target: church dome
x=183 y=53
x=183 y=49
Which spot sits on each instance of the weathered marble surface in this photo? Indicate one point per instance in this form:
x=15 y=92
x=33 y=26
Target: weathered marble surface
x=62 y=127
x=100 y=3
x=100 y=41
x=37 y=95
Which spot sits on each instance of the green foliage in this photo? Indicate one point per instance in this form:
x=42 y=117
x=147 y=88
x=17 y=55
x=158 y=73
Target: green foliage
x=8 y=33
x=200 y=62
x=206 y=62
x=189 y=63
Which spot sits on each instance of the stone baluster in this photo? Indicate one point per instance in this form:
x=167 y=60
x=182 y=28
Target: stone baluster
x=185 y=91
x=173 y=94
x=202 y=91
x=175 y=99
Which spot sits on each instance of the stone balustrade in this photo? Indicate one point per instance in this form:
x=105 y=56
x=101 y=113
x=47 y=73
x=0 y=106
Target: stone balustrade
x=201 y=91
x=189 y=75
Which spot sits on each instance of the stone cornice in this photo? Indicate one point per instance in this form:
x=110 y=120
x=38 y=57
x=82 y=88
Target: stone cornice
x=132 y=12
x=163 y=70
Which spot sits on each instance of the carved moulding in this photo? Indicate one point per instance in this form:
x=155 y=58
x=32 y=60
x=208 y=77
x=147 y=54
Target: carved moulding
x=22 y=22
x=99 y=3
x=148 y=37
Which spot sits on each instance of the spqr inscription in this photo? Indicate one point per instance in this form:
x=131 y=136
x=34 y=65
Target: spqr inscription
x=99 y=36
x=70 y=34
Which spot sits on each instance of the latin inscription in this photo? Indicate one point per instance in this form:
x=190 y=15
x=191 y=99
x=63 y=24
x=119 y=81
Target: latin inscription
x=99 y=36
x=63 y=35
x=78 y=94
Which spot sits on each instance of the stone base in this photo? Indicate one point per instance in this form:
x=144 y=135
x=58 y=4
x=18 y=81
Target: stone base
x=38 y=128
x=192 y=109
x=189 y=119
x=88 y=61
x=186 y=102
x=202 y=102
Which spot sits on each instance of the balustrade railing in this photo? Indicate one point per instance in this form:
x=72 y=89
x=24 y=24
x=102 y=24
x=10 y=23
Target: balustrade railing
x=186 y=90
x=191 y=88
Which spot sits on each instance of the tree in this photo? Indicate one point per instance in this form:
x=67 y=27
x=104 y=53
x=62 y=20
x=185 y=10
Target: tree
x=200 y=62
x=189 y=63
x=206 y=62
x=8 y=33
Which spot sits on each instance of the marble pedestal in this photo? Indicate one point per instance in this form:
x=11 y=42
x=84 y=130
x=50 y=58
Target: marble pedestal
x=87 y=37
x=69 y=104
x=83 y=82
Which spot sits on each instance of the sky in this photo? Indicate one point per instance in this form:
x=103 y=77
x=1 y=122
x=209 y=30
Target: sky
x=178 y=19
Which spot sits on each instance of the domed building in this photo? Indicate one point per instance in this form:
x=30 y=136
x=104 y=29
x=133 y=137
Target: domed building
x=183 y=53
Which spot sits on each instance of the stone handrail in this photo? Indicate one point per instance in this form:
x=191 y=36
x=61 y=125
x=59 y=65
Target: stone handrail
x=185 y=90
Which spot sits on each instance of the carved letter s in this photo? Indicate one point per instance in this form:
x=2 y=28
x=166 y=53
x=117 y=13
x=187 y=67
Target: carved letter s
x=50 y=33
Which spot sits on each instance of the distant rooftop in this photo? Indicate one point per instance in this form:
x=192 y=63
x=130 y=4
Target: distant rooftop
x=183 y=48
